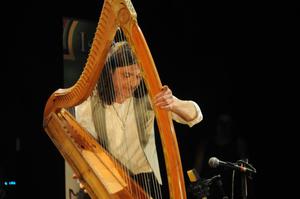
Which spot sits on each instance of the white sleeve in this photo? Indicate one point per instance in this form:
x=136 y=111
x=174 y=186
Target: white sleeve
x=191 y=123
x=83 y=115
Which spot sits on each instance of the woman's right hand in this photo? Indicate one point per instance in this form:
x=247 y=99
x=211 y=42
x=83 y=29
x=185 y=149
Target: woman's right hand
x=78 y=181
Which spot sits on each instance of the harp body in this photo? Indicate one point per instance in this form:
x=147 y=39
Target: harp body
x=100 y=175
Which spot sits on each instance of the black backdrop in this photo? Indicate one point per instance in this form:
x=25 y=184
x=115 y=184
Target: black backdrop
x=203 y=52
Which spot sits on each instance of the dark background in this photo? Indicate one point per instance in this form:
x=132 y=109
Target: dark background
x=210 y=53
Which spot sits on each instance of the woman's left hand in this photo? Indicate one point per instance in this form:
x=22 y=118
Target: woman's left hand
x=164 y=99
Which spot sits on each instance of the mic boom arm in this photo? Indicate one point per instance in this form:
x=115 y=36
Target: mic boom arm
x=215 y=162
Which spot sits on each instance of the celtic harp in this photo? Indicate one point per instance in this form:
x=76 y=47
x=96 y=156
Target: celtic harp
x=96 y=167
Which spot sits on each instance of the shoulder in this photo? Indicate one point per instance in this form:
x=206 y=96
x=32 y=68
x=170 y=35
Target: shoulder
x=84 y=107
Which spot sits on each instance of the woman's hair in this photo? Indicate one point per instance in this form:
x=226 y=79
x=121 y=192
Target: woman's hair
x=120 y=55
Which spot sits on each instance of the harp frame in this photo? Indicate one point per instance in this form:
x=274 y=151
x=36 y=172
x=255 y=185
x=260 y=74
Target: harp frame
x=59 y=124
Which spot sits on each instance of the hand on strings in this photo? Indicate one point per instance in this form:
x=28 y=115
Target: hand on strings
x=80 y=184
x=185 y=109
x=164 y=99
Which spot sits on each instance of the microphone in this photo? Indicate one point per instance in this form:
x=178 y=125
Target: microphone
x=215 y=162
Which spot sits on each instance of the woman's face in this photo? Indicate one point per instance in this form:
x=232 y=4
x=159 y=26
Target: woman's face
x=126 y=79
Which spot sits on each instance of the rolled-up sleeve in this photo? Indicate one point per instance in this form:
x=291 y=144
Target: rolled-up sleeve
x=191 y=123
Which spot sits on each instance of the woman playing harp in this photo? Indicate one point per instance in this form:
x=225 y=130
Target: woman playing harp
x=120 y=116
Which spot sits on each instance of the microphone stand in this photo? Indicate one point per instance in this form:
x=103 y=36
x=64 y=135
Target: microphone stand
x=244 y=176
x=244 y=184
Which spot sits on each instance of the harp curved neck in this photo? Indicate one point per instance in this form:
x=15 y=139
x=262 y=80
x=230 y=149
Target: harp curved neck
x=114 y=13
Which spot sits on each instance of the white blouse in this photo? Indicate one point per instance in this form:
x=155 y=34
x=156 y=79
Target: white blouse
x=122 y=133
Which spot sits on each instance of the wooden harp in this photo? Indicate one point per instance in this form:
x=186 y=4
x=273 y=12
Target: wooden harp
x=88 y=159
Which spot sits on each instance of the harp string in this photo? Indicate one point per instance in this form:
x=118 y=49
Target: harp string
x=111 y=96
x=124 y=115
x=146 y=180
x=106 y=90
x=120 y=38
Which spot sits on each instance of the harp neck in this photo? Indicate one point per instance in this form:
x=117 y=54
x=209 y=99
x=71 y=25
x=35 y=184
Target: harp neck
x=114 y=13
